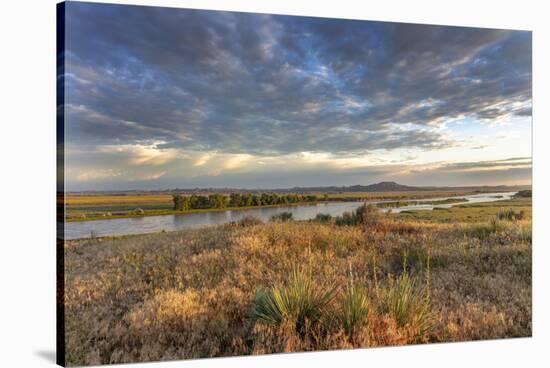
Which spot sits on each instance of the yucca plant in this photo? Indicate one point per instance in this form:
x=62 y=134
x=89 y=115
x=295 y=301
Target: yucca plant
x=407 y=304
x=298 y=301
x=355 y=309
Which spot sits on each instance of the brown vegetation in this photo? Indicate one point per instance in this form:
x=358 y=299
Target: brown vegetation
x=281 y=286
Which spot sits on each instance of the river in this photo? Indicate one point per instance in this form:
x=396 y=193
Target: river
x=149 y=224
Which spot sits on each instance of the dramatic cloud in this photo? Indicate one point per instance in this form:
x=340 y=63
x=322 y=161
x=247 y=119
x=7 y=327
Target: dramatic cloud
x=155 y=88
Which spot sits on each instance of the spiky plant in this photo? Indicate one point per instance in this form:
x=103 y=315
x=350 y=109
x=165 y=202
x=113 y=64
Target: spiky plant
x=355 y=309
x=407 y=304
x=298 y=301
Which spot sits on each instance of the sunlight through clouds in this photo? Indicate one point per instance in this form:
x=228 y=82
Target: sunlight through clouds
x=200 y=98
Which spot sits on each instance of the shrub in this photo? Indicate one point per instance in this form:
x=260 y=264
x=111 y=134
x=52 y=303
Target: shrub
x=368 y=215
x=323 y=217
x=347 y=218
x=299 y=301
x=354 y=310
x=524 y=194
x=283 y=216
x=139 y=211
x=249 y=220
x=510 y=215
x=495 y=225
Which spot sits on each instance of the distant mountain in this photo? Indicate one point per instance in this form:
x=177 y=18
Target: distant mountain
x=391 y=186
x=385 y=186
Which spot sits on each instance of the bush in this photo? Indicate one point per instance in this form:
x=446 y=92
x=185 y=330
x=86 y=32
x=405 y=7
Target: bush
x=511 y=215
x=524 y=194
x=347 y=218
x=283 y=216
x=368 y=215
x=299 y=301
x=355 y=309
x=495 y=225
x=323 y=217
x=139 y=211
x=249 y=220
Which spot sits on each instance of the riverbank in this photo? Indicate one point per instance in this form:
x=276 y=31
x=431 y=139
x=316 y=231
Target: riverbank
x=331 y=209
x=98 y=207
x=186 y=212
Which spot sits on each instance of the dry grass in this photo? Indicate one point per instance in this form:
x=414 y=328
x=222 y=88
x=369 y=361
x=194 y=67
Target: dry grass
x=72 y=199
x=190 y=294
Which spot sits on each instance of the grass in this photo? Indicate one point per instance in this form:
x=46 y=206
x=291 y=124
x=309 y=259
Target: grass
x=281 y=286
x=473 y=212
x=394 y=204
x=89 y=207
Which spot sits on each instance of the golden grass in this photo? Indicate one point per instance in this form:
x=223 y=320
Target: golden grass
x=189 y=294
x=72 y=199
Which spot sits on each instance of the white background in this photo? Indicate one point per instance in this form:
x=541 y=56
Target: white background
x=27 y=171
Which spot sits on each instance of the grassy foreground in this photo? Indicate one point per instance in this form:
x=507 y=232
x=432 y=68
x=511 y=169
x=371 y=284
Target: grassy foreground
x=431 y=276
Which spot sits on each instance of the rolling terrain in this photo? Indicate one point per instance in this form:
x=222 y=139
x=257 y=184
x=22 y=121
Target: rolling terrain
x=360 y=280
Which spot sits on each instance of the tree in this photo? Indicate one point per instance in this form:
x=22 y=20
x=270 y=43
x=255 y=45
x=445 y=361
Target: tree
x=181 y=203
x=246 y=200
x=176 y=199
x=217 y=200
x=264 y=199
x=185 y=203
x=310 y=198
x=234 y=200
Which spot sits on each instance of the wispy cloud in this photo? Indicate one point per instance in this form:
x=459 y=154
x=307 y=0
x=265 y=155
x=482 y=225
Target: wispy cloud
x=147 y=86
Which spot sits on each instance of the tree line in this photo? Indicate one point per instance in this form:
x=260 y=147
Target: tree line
x=192 y=202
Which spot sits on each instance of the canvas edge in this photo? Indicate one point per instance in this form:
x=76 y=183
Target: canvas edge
x=60 y=183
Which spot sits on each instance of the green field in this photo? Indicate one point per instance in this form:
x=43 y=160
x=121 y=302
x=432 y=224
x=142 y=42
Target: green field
x=474 y=212
x=370 y=279
x=86 y=207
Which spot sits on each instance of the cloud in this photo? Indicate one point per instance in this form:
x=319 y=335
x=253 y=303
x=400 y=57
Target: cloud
x=232 y=89
x=252 y=83
x=505 y=164
x=297 y=169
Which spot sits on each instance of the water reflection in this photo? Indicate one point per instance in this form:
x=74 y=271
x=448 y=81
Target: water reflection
x=139 y=225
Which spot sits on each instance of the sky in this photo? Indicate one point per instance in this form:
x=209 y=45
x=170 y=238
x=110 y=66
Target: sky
x=159 y=98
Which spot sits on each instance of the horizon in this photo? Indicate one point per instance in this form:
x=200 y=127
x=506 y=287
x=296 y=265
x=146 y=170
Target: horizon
x=298 y=187
x=160 y=98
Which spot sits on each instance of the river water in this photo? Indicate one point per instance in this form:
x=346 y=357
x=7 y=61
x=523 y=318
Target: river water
x=148 y=224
